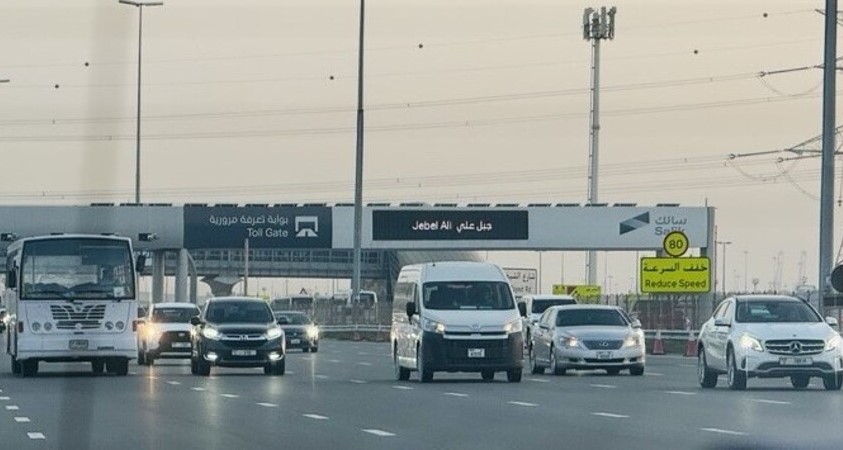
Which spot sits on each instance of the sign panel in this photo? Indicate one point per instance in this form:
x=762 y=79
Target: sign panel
x=675 y=244
x=584 y=293
x=449 y=225
x=523 y=281
x=675 y=275
x=265 y=227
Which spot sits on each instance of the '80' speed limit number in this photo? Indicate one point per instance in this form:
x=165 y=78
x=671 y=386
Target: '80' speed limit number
x=675 y=244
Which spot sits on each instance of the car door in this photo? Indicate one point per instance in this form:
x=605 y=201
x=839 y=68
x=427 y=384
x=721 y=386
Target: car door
x=720 y=335
x=544 y=337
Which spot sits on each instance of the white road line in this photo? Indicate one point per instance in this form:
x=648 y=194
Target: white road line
x=12 y=407
x=133 y=373
x=357 y=381
x=538 y=380
x=772 y=402
x=321 y=377
x=610 y=415
x=362 y=353
x=290 y=372
x=334 y=360
x=174 y=383
x=315 y=416
x=268 y=405
x=603 y=386
x=654 y=374
x=380 y=433
x=230 y=395
x=364 y=363
x=687 y=365
x=22 y=419
x=198 y=389
x=4 y=398
x=36 y=435
x=523 y=404
x=403 y=388
x=722 y=431
x=680 y=393
x=456 y=394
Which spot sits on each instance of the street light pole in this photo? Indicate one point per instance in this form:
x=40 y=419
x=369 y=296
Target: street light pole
x=724 y=244
x=745 y=270
x=828 y=150
x=140 y=6
x=358 y=172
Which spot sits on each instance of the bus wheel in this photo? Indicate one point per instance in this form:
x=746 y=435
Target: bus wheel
x=15 y=366
x=29 y=367
x=97 y=366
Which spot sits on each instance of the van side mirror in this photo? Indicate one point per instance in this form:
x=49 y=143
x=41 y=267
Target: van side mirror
x=411 y=309
x=522 y=309
x=831 y=321
x=636 y=323
x=140 y=263
x=195 y=320
x=12 y=279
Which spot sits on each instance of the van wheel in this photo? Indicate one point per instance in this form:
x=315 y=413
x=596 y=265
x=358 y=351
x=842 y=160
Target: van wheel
x=514 y=375
x=425 y=375
x=29 y=367
x=401 y=373
x=15 y=366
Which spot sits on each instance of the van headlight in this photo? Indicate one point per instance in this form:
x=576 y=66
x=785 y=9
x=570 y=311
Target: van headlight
x=513 y=327
x=274 y=333
x=750 y=343
x=834 y=343
x=434 y=326
x=211 y=333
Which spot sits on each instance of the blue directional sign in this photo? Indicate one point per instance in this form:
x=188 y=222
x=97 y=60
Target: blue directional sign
x=265 y=227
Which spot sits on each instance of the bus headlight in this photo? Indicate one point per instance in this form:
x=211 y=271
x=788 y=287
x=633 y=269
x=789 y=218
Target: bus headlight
x=120 y=326
x=48 y=326
x=36 y=326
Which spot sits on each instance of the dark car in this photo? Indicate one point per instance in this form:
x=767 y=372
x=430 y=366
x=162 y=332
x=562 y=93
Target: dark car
x=237 y=332
x=299 y=330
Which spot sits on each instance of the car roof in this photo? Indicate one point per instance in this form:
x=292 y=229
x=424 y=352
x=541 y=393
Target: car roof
x=173 y=305
x=584 y=306
x=237 y=299
x=767 y=297
x=550 y=297
x=291 y=312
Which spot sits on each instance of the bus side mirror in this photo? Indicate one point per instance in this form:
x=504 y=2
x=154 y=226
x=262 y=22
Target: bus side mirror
x=12 y=279
x=522 y=309
x=195 y=320
x=411 y=309
x=140 y=264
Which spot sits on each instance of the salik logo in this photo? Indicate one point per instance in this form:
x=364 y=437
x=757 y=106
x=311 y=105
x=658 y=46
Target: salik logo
x=307 y=226
x=635 y=223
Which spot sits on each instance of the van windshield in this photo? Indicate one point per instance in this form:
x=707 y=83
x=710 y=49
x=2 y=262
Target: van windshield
x=451 y=295
x=541 y=304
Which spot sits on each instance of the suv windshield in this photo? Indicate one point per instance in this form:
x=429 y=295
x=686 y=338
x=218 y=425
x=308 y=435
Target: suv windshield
x=586 y=317
x=778 y=311
x=540 y=305
x=468 y=295
x=174 y=315
x=238 y=312
x=294 y=319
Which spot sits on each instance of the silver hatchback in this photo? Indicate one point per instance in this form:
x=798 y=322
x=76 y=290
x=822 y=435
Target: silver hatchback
x=587 y=337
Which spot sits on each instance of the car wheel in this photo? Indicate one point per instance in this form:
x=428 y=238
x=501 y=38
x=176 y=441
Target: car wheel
x=202 y=367
x=514 y=375
x=613 y=371
x=707 y=377
x=736 y=377
x=554 y=364
x=118 y=366
x=193 y=366
x=401 y=373
x=636 y=371
x=149 y=360
x=800 y=381
x=425 y=375
x=305 y=349
x=97 y=366
x=535 y=368
x=314 y=349
x=15 y=366
x=280 y=368
x=833 y=382
x=141 y=358
x=487 y=375
x=29 y=367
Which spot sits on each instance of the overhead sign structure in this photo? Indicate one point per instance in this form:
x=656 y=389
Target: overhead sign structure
x=523 y=281
x=584 y=293
x=675 y=244
x=440 y=225
x=265 y=227
x=675 y=275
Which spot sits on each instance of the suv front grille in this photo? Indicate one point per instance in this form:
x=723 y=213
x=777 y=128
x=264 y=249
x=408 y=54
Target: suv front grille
x=602 y=345
x=250 y=340
x=795 y=346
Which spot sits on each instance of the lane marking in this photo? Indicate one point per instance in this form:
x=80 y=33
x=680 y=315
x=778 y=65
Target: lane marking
x=610 y=415
x=36 y=435
x=133 y=373
x=315 y=416
x=604 y=386
x=364 y=363
x=4 y=398
x=376 y=432
x=322 y=377
x=680 y=393
x=268 y=405
x=357 y=381
x=771 y=402
x=362 y=353
x=538 y=380
x=198 y=389
x=687 y=365
x=403 y=388
x=653 y=374
x=174 y=383
x=333 y=360
x=230 y=395
x=527 y=404
x=456 y=394
x=22 y=419
x=290 y=372
x=722 y=431
x=12 y=407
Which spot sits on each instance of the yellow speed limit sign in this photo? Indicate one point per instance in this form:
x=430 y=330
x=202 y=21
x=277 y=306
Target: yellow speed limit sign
x=675 y=244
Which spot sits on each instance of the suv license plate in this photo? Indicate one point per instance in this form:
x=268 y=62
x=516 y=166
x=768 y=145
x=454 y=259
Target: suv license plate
x=244 y=352
x=181 y=344
x=295 y=341
x=78 y=344
x=604 y=355
x=790 y=361
x=477 y=353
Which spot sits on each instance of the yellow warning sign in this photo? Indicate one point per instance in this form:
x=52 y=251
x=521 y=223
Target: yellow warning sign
x=584 y=293
x=675 y=275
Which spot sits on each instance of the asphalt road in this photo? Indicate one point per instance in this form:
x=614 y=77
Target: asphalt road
x=344 y=397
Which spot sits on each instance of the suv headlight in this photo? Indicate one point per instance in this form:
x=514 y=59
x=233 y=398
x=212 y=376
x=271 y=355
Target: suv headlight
x=434 y=326
x=513 y=327
x=748 y=342
x=211 y=333
x=274 y=333
x=834 y=343
x=633 y=340
x=569 y=341
x=312 y=331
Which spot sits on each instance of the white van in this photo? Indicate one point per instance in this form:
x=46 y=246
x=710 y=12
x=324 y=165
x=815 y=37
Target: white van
x=537 y=304
x=456 y=317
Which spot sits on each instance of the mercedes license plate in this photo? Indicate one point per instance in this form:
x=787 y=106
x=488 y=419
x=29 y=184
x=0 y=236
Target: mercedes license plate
x=181 y=344
x=244 y=352
x=477 y=353
x=796 y=361
x=295 y=341
x=78 y=344
x=604 y=355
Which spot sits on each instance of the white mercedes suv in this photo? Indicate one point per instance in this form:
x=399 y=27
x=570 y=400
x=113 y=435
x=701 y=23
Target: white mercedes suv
x=767 y=336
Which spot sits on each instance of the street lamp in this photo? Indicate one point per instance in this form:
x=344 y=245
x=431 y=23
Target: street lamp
x=724 y=244
x=745 y=270
x=140 y=6
x=358 y=170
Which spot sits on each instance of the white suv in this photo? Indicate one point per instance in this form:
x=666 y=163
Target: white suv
x=165 y=332
x=766 y=336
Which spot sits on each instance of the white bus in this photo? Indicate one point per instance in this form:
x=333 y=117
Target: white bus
x=71 y=298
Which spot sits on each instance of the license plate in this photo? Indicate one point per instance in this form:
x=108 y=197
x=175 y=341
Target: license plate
x=181 y=344
x=78 y=344
x=244 y=352
x=295 y=341
x=477 y=353
x=803 y=361
x=604 y=355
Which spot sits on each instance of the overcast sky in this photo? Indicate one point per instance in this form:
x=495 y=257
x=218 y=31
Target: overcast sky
x=239 y=105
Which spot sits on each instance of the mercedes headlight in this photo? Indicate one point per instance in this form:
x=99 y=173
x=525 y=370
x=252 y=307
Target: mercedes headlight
x=750 y=343
x=570 y=341
x=312 y=331
x=633 y=340
x=274 y=333
x=434 y=326
x=211 y=333
x=513 y=327
x=834 y=343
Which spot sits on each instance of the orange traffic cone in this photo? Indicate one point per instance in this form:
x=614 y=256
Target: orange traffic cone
x=658 y=344
x=691 y=344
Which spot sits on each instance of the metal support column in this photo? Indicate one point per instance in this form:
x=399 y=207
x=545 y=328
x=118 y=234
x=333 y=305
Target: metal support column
x=181 y=276
x=827 y=170
x=158 y=257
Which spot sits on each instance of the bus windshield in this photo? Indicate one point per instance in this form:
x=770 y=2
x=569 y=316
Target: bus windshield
x=71 y=268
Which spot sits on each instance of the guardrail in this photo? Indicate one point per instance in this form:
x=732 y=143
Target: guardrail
x=672 y=335
x=351 y=328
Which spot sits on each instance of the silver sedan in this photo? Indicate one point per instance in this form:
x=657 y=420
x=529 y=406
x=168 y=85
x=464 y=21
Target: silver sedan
x=587 y=337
